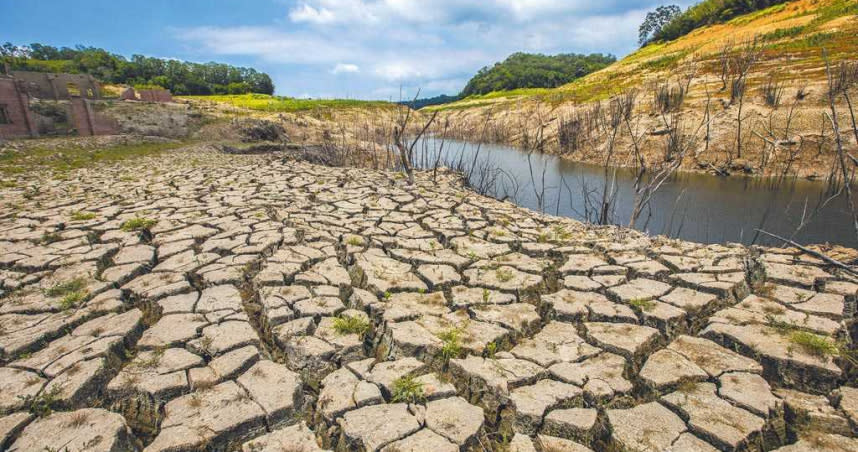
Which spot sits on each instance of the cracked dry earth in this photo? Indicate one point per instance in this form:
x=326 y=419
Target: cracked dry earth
x=273 y=305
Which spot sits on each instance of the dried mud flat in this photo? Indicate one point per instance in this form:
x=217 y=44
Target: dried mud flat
x=202 y=301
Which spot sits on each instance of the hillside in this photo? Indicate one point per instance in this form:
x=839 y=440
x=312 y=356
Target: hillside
x=786 y=41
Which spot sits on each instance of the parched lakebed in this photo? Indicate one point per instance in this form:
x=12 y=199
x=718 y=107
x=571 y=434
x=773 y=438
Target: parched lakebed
x=202 y=301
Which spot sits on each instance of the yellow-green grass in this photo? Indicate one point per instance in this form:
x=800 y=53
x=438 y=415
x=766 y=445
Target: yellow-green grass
x=278 y=104
x=71 y=158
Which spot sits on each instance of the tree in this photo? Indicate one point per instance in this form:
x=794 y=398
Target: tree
x=181 y=77
x=655 y=21
x=525 y=70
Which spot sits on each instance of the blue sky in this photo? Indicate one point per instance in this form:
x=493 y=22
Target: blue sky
x=364 y=49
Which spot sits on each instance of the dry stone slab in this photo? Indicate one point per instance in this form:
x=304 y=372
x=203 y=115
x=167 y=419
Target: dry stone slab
x=424 y=440
x=382 y=274
x=782 y=356
x=455 y=419
x=822 y=443
x=297 y=437
x=668 y=369
x=372 y=427
x=687 y=442
x=714 y=418
x=573 y=305
x=578 y=424
x=531 y=403
x=629 y=340
x=560 y=444
x=222 y=414
x=11 y=426
x=646 y=427
x=751 y=392
x=601 y=376
x=504 y=278
x=89 y=429
x=556 y=342
x=813 y=413
x=711 y=357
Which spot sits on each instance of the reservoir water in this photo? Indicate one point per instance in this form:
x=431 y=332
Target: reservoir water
x=691 y=206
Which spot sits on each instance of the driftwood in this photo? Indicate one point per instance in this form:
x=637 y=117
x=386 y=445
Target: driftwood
x=827 y=259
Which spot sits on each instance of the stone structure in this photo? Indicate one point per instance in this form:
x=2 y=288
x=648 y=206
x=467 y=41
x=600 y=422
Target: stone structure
x=155 y=95
x=69 y=95
x=46 y=85
x=128 y=94
x=201 y=301
x=15 y=117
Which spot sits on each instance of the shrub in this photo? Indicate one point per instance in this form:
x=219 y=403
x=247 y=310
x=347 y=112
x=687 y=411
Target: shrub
x=452 y=347
x=66 y=287
x=407 y=390
x=137 y=224
x=351 y=325
x=82 y=216
x=772 y=93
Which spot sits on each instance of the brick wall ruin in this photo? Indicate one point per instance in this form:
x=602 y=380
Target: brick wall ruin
x=52 y=112
x=43 y=85
x=155 y=95
x=15 y=119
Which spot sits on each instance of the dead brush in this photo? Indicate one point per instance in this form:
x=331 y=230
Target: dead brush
x=772 y=92
x=667 y=97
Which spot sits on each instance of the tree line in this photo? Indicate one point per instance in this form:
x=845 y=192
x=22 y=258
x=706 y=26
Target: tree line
x=180 y=77
x=527 y=70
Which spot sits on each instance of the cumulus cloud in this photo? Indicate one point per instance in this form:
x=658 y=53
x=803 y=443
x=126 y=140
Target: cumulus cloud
x=437 y=45
x=343 y=68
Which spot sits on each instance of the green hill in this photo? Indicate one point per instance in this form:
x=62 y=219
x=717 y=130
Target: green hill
x=526 y=70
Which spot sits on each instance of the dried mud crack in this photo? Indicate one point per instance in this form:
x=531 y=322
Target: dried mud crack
x=205 y=301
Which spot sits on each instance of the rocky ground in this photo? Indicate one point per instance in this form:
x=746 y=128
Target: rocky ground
x=203 y=301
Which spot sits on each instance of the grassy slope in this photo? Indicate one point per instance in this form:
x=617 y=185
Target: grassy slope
x=277 y=104
x=798 y=29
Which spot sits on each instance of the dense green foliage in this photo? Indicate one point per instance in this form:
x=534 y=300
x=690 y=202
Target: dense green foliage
x=180 y=77
x=429 y=101
x=708 y=12
x=655 y=21
x=525 y=70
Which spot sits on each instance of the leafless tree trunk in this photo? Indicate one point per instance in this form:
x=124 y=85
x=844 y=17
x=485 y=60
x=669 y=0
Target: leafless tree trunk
x=833 y=90
x=407 y=151
x=740 y=65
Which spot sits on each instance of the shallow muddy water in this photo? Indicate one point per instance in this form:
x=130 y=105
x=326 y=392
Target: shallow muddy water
x=691 y=206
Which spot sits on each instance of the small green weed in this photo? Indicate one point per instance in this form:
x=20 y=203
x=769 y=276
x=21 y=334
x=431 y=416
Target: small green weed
x=351 y=325
x=643 y=305
x=137 y=224
x=66 y=287
x=452 y=347
x=408 y=390
x=82 y=216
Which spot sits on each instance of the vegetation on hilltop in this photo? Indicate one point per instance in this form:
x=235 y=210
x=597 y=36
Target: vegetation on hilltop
x=180 y=77
x=430 y=101
x=708 y=12
x=525 y=70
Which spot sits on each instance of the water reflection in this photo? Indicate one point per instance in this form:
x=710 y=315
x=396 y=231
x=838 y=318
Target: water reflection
x=690 y=206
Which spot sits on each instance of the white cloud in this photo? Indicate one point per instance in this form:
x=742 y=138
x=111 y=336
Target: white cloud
x=325 y=12
x=397 y=71
x=307 y=13
x=342 y=68
x=435 y=45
